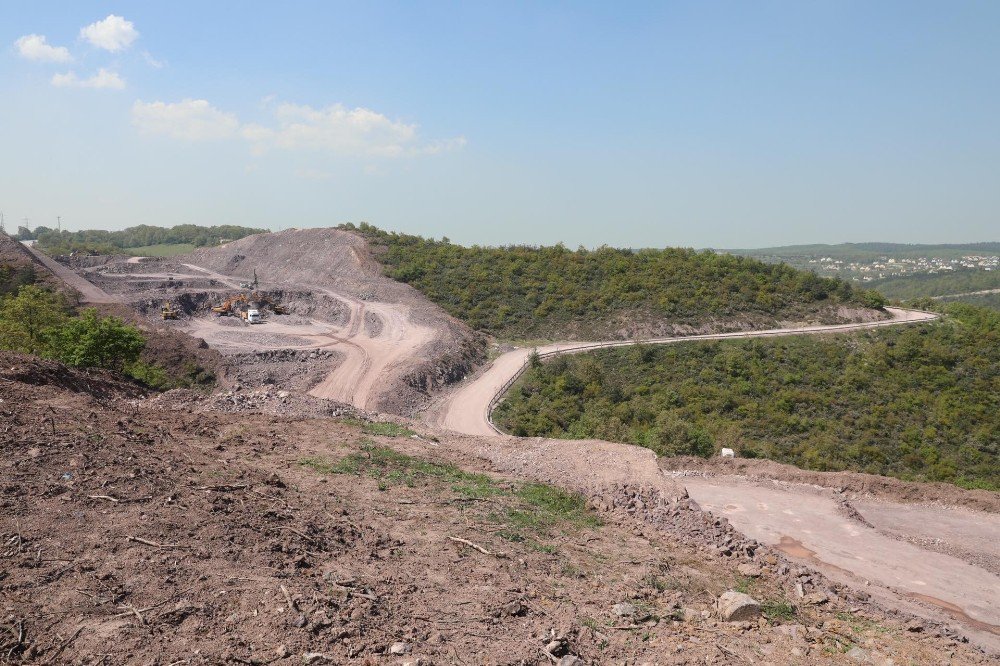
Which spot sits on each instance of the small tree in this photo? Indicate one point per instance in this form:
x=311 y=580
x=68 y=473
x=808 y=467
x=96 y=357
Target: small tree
x=28 y=319
x=90 y=341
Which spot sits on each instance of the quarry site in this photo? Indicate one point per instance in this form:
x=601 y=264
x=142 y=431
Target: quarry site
x=190 y=528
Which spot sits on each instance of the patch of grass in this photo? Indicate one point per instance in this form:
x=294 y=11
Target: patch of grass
x=532 y=509
x=744 y=584
x=160 y=250
x=860 y=625
x=390 y=468
x=381 y=428
x=549 y=505
x=778 y=610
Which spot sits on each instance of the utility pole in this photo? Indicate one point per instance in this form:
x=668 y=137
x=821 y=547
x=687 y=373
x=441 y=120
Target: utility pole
x=2 y=230
x=59 y=223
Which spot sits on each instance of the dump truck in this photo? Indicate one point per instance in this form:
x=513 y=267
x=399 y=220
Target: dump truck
x=252 y=316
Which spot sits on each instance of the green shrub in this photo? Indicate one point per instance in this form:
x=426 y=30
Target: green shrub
x=90 y=341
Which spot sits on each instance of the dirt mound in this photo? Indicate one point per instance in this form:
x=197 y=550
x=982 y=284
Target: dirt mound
x=847 y=482
x=20 y=369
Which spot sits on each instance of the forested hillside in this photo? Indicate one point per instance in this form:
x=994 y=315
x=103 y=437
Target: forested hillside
x=938 y=284
x=117 y=242
x=917 y=402
x=534 y=292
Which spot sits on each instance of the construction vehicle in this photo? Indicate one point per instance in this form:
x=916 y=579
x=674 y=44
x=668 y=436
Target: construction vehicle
x=250 y=285
x=252 y=316
x=229 y=304
x=169 y=312
x=265 y=301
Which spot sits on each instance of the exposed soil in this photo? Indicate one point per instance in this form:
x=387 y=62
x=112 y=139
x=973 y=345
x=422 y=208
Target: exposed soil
x=161 y=531
x=393 y=346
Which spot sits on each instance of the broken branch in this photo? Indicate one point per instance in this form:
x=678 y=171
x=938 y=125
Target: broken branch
x=476 y=547
x=147 y=542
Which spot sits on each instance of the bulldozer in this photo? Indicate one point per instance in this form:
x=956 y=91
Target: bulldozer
x=169 y=311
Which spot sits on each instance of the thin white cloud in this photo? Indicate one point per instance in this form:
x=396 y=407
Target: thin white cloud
x=36 y=47
x=335 y=130
x=112 y=34
x=153 y=62
x=189 y=120
x=104 y=79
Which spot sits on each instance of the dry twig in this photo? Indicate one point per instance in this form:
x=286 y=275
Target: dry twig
x=147 y=542
x=476 y=547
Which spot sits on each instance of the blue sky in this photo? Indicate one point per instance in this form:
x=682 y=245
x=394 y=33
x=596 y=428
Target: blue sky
x=705 y=124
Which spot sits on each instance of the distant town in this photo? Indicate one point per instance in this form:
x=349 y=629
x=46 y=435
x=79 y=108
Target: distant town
x=883 y=267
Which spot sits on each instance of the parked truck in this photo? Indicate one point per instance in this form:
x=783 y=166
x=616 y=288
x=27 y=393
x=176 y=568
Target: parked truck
x=252 y=316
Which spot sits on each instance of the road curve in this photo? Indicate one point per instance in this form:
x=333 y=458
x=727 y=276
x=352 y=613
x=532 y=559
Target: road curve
x=467 y=409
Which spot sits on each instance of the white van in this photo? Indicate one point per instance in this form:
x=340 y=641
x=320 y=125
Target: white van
x=253 y=317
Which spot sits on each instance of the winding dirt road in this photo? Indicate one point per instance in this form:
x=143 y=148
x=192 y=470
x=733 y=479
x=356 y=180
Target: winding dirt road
x=886 y=560
x=467 y=409
x=375 y=339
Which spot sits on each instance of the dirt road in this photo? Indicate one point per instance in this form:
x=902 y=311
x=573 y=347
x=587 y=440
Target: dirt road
x=891 y=561
x=808 y=526
x=89 y=292
x=466 y=409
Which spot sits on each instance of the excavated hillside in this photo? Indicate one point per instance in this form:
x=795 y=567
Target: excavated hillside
x=367 y=340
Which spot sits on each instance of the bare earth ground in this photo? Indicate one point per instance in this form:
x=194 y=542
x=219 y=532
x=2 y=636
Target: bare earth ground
x=379 y=345
x=145 y=534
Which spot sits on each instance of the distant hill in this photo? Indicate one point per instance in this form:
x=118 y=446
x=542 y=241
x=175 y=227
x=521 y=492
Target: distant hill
x=143 y=240
x=863 y=251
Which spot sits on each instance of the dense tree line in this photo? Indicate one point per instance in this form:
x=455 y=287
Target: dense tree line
x=917 y=402
x=522 y=291
x=111 y=242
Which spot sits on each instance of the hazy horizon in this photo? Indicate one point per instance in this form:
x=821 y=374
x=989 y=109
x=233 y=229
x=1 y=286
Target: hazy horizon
x=647 y=125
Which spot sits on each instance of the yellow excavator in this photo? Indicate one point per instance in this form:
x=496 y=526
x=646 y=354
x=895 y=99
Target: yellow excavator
x=169 y=311
x=227 y=306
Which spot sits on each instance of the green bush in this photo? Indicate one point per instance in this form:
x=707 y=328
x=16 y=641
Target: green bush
x=89 y=341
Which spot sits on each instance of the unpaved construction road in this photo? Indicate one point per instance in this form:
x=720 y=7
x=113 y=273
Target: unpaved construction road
x=89 y=292
x=808 y=526
x=889 y=560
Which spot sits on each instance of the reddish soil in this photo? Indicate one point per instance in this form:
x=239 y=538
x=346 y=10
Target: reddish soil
x=136 y=531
